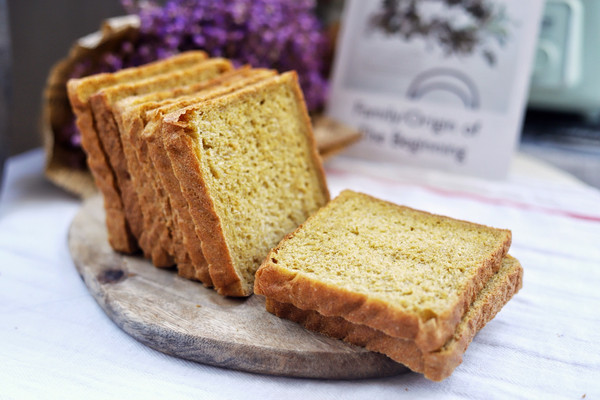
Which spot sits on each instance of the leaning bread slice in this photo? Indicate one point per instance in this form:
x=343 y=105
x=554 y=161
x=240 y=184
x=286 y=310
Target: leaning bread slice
x=406 y=272
x=435 y=365
x=79 y=91
x=102 y=107
x=165 y=216
x=102 y=104
x=157 y=161
x=129 y=114
x=248 y=167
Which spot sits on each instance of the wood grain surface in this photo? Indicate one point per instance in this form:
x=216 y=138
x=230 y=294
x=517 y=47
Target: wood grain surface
x=184 y=319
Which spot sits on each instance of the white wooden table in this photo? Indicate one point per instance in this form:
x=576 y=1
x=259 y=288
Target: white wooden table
x=56 y=342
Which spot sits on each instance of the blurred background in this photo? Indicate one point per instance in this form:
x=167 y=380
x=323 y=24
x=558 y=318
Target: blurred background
x=562 y=124
x=42 y=33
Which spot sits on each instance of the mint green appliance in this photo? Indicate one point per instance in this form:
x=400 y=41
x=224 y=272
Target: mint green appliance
x=566 y=75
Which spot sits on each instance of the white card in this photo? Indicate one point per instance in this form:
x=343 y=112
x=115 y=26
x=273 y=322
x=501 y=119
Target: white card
x=436 y=83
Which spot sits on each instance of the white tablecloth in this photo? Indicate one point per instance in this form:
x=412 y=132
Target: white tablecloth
x=56 y=342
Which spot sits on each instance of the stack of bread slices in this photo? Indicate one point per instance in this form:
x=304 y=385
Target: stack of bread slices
x=201 y=165
x=214 y=169
x=412 y=285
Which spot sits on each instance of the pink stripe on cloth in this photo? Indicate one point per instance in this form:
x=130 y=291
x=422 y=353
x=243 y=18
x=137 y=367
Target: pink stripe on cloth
x=468 y=195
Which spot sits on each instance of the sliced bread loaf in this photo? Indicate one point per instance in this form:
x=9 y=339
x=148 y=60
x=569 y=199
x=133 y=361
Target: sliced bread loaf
x=129 y=114
x=435 y=365
x=79 y=91
x=408 y=273
x=157 y=206
x=248 y=167
x=107 y=129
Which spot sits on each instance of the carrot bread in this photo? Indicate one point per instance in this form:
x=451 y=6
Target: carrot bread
x=102 y=107
x=80 y=91
x=163 y=172
x=166 y=212
x=405 y=272
x=158 y=233
x=435 y=365
x=248 y=167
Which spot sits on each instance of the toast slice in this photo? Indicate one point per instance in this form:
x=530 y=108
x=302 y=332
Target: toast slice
x=102 y=108
x=79 y=92
x=135 y=118
x=435 y=365
x=408 y=273
x=249 y=170
x=129 y=113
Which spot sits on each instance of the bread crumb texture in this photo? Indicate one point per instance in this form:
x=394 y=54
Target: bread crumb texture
x=414 y=260
x=257 y=160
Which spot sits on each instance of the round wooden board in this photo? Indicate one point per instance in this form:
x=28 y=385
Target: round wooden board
x=184 y=319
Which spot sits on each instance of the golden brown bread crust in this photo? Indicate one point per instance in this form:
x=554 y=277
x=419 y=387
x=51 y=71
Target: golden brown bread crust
x=208 y=228
x=298 y=289
x=157 y=234
x=435 y=365
x=79 y=91
x=178 y=208
x=105 y=126
x=102 y=104
x=120 y=236
x=171 y=95
x=82 y=89
x=181 y=147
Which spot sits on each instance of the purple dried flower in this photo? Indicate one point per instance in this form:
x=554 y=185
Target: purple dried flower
x=279 y=34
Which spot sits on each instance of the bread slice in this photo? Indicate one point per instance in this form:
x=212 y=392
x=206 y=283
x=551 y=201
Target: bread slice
x=102 y=107
x=248 y=167
x=102 y=104
x=136 y=117
x=435 y=365
x=408 y=273
x=79 y=92
x=129 y=113
x=161 y=164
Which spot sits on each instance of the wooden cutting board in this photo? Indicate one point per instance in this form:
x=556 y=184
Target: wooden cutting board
x=184 y=319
